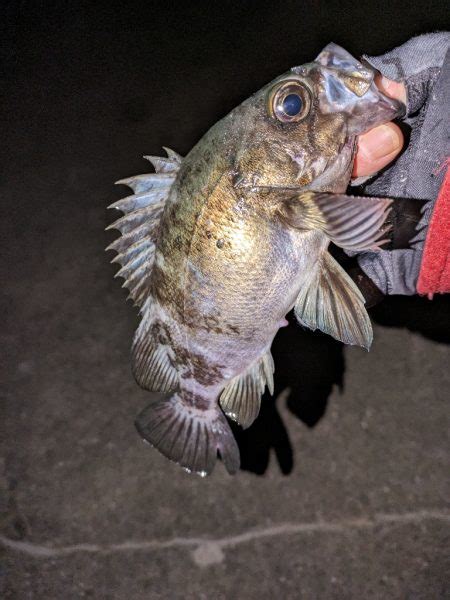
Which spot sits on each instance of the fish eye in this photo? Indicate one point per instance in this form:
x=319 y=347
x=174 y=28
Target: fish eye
x=289 y=101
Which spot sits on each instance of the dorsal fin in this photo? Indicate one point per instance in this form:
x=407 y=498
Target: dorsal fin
x=151 y=357
x=139 y=225
x=241 y=399
x=152 y=367
x=166 y=165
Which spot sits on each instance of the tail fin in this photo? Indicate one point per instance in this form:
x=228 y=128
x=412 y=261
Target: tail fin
x=188 y=435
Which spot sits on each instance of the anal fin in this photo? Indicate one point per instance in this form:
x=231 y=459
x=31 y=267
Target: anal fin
x=332 y=303
x=241 y=399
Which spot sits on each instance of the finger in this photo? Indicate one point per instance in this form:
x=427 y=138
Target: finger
x=393 y=89
x=376 y=149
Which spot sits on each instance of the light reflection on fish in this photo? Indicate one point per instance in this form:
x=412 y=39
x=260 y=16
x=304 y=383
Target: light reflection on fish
x=218 y=246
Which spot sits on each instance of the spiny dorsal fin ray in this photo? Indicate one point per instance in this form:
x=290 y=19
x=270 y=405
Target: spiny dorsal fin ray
x=147 y=181
x=124 y=241
x=140 y=259
x=142 y=200
x=134 y=276
x=139 y=292
x=136 y=218
x=144 y=245
x=163 y=165
x=332 y=303
x=139 y=225
x=172 y=155
x=241 y=399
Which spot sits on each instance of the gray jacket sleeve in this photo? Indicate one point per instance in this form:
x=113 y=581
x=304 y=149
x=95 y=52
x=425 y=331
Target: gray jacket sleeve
x=423 y=64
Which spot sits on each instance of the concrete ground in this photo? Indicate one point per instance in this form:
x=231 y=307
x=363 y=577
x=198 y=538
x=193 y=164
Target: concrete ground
x=344 y=488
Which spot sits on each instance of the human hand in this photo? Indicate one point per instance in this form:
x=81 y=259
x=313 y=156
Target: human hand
x=375 y=150
x=415 y=178
x=379 y=146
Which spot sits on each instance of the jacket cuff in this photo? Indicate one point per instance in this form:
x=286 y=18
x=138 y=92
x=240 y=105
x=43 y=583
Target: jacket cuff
x=415 y=63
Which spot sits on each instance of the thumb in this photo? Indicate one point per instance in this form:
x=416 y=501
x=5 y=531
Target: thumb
x=379 y=146
x=376 y=149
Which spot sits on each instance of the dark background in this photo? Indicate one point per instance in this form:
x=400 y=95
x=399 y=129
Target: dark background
x=87 y=89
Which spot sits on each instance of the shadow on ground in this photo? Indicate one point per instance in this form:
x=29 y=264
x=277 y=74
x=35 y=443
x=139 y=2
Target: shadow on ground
x=308 y=365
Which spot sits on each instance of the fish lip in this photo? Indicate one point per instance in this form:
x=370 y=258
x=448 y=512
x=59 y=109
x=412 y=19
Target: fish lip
x=395 y=107
x=382 y=109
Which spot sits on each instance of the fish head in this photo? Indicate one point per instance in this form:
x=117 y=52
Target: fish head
x=301 y=129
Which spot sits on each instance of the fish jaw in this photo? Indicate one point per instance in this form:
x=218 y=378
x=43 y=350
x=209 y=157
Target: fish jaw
x=348 y=86
x=373 y=109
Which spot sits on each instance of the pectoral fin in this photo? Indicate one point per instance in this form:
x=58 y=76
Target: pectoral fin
x=351 y=222
x=332 y=303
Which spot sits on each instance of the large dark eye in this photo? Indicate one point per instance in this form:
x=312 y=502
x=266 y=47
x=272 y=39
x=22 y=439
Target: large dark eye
x=289 y=101
x=292 y=105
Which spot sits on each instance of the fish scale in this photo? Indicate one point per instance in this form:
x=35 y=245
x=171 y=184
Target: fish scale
x=217 y=247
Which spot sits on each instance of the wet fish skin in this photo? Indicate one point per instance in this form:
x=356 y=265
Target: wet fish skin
x=242 y=239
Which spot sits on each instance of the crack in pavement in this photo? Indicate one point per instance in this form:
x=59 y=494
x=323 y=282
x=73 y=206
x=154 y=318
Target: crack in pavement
x=208 y=551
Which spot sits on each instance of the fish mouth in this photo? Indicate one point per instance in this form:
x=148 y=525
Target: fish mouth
x=373 y=109
x=387 y=109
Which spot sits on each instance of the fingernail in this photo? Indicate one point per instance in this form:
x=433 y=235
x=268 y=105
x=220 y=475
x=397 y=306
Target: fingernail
x=385 y=84
x=393 y=89
x=380 y=142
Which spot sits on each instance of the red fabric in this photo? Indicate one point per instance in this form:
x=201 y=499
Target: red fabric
x=434 y=276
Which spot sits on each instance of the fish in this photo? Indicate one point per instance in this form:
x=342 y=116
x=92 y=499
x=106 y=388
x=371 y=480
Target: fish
x=217 y=247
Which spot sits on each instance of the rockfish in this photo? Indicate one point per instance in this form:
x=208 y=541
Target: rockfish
x=217 y=247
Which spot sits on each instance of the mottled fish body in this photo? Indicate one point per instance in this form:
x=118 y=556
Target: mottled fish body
x=218 y=246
